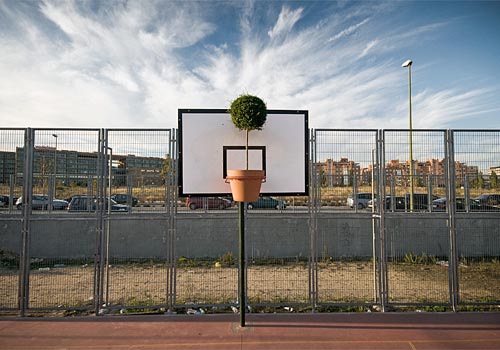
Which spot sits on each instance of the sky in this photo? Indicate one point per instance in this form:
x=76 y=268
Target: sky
x=133 y=64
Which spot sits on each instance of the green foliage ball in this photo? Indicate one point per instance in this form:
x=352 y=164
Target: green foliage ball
x=248 y=113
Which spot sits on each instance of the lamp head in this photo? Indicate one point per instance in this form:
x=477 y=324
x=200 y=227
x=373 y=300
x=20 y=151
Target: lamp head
x=407 y=63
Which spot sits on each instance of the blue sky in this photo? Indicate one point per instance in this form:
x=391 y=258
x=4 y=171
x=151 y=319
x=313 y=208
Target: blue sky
x=134 y=63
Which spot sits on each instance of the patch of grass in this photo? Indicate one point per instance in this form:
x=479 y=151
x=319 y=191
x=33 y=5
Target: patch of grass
x=412 y=258
x=270 y=261
x=191 y=262
x=335 y=308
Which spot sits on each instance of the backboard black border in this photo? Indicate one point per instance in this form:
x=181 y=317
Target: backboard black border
x=226 y=148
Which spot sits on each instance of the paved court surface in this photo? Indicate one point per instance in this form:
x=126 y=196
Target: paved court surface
x=374 y=331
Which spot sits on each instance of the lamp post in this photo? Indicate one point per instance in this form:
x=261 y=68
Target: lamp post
x=408 y=64
x=55 y=165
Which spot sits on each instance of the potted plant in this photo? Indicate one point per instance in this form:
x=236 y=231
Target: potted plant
x=247 y=113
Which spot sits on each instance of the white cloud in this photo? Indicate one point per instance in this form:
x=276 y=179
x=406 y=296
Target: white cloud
x=285 y=22
x=121 y=76
x=348 y=31
x=444 y=107
x=368 y=48
x=134 y=64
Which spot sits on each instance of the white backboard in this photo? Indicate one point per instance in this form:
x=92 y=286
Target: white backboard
x=209 y=144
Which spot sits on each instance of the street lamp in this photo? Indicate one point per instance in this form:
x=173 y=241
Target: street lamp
x=408 y=64
x=55 y=164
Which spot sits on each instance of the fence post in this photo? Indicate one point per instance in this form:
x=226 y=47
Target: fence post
x=451 y=208
x=383 y=275
x=314 y=203
x=171 y=207
x=354 y=191
x=374 y=224
x=12 y=180
x=101 y=193
x=130 y=185
x=24 y=268
x=51 y=183
x=429 y=193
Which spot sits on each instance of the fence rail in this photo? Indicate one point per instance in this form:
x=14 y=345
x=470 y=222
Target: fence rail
x=90 y=219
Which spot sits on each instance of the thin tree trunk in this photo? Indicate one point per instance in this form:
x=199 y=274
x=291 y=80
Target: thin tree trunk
x=246 y=150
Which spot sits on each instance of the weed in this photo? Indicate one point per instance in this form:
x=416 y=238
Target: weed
x=411 y=258
x=227 y=259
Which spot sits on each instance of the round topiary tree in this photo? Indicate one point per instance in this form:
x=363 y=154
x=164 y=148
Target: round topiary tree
x=248 y=113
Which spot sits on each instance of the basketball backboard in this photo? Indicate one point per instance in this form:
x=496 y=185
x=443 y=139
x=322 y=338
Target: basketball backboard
x=209 y=144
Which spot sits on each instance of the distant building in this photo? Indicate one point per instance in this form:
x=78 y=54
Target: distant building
x=77 y=167
x=7 y=165
x=69 y=166
x=141 y=170
x=338 y=173
x=495 y=169
x=335 y=173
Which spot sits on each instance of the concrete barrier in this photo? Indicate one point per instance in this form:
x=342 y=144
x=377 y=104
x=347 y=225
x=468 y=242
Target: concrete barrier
x=268 y=235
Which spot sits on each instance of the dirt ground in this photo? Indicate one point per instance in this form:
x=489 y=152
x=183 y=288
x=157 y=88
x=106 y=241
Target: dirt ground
x=338 y=282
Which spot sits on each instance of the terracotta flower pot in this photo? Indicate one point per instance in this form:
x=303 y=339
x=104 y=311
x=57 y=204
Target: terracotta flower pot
x=245 y=184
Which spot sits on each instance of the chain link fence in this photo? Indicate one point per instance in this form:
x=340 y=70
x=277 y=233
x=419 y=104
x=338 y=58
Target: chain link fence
x=90 y=220
x=477 y=218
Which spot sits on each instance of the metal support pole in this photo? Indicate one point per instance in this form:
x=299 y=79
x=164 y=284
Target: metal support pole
x=55 y=166
x=411 y=141
x=241 y=277
x=451 y=208
x=314 y=207
x=24 y=268
x=171 y=185
x=379 y=202
x=100 y=212
x=383 y=273
x=108 y=222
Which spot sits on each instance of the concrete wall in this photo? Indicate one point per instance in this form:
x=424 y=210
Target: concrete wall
x=10 y=237
x=268 y=235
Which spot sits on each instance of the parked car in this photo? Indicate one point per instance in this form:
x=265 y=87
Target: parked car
x=399 y=203
x=89 y=203
x=490 y=199
x=121 y=198
x=41 y=202
x=460 y=205
x=420 y=201
x=362 y=200
x=402 y=203
x=267 y=203
x=208 y=202
x=4 y=200
x=440 y=204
